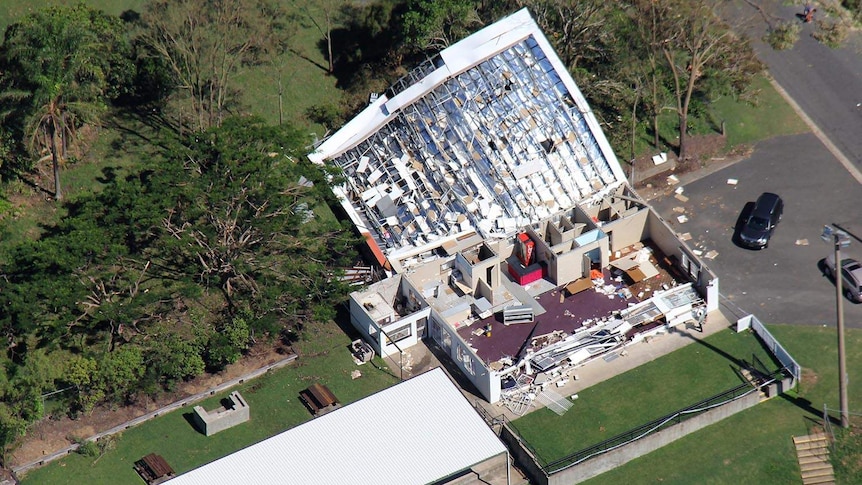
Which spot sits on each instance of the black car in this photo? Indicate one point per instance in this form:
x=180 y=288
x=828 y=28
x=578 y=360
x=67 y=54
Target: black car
x=760 y=224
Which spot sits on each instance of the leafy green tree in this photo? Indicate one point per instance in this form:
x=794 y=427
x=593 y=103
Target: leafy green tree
x=21 y=388
x=240 y=213
x=433 y=25
x=172 y=357
x=121 y=370
x=227 y=344
x=66 y=62
x=702 y=54
x=82 y=372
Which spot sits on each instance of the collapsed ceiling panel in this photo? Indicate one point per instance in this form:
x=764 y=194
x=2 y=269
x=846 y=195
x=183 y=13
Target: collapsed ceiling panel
x=470 y=145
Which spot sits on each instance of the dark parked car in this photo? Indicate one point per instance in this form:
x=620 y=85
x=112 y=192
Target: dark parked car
x=851 y=276
x=760 y=224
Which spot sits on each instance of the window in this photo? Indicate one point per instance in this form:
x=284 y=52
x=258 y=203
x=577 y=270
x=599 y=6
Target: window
x=398 y=334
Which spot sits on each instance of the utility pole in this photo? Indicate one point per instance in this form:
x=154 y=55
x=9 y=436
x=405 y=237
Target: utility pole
x=839 y=239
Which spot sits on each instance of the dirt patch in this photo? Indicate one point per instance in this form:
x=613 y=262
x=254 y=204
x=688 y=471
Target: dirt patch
x=808 y=381
x=705 y=153
x=53 y=433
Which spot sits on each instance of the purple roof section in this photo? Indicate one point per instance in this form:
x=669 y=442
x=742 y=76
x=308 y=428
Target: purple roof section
x=506 y=340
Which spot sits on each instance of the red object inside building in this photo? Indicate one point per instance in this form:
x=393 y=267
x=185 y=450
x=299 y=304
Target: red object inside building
x=524 y=275
x=524 y=249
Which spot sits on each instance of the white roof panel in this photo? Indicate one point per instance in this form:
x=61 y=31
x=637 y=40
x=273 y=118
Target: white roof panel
x=418 y=431
x=495 y=116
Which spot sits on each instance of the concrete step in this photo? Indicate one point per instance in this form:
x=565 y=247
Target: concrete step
x=813 y=459
x=812 y=445
x=813 y=467
x=817 y=474
x=808 y=438
x=812 y=452
x=819 y=481
x=822 y=452
x=822 y=443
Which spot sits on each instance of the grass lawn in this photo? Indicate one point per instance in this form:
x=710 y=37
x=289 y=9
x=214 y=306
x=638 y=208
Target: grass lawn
x=11 y=10
x=755 y=446
x=746 y=123
x=275 y=407
x=672 y=382
x=771 y=116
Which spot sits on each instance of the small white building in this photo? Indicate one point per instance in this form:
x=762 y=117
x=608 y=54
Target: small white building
x=422 y=430
x=486 y=145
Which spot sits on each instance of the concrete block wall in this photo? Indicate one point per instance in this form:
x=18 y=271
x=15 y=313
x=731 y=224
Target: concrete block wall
x=224 y=417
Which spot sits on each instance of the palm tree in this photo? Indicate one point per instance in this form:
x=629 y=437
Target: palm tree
x=57 y=57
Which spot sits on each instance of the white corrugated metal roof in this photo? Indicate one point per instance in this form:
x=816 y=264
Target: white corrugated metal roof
x=418 y=431
x=495 y=125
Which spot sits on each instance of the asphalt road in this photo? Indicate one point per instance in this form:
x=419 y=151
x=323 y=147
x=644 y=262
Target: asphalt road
x=826 y=83
x=782 y=283
x=817 y=175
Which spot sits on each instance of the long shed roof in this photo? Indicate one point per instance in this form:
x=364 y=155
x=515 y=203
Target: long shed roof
x=418 y=431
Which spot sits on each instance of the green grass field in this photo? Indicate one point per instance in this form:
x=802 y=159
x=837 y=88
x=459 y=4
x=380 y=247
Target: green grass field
x=755 y=446
x=746 y=123
x=648 y=392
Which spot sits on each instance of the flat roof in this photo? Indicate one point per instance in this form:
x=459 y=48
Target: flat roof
x=419 y=431
x=489 y=136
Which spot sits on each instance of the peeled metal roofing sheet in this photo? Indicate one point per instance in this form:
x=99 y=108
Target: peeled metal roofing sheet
x=418 y=431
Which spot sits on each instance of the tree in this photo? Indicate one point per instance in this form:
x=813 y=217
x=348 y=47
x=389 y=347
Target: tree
x=580 y=31
x=698 y=46
x=66 y=62
x=645 y=62
x=433 y=25
x=205 y=44
x=328 y=11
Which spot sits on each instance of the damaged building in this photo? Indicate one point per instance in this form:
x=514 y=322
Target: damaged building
x=484 y=184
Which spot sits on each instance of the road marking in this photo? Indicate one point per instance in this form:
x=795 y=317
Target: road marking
x=848 y=165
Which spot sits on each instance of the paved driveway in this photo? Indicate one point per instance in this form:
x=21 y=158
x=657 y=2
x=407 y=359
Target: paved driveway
x=783 y=283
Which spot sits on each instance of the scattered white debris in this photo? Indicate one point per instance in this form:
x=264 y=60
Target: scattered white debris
x=711 y=254
x=686 y=236
x=681 y=198
x=562 y=382
x=355 y=374
x=732 y=181
x=679 y=190
x=697 y=252
x=672 y=180
x=575 y=396
x=802 y=242
x=659 y=159
x=682 y=219
x=679 y=209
